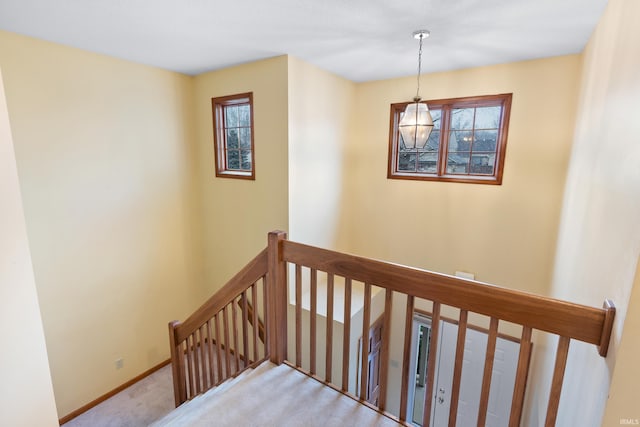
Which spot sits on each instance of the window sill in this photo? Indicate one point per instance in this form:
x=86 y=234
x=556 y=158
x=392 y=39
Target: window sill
x=468 y=179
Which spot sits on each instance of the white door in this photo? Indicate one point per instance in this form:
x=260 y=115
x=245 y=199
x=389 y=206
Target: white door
x=502 y=382
x=505 y=364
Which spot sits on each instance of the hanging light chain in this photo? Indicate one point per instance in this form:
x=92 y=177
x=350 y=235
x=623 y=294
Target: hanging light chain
x=417 y=98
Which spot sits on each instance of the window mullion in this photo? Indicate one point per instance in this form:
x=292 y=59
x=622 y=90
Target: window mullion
x=444 y=139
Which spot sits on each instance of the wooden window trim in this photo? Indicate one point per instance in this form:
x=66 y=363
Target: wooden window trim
x=446 y=105
x=219 y=140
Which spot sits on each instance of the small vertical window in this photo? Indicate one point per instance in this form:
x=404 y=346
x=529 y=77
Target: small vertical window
x=467 y=143
x=233 y=136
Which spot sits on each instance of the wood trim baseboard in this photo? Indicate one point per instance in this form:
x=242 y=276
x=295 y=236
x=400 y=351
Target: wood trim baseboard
x=112 y=393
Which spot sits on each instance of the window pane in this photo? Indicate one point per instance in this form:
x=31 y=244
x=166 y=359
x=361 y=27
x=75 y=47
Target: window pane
x=428 y=162
x=483 y=163
x=231 y=116
x=232 y=138
x=233 y=133
x=458 y=163
x=244 y=115
x=488 y=117
x=245 y=138
x=401 y=145
x=436 y=115
x=460 y=140
x=233 y=159
x=462 y=118
x=407 y=161
x=246 y=159
x=464 y=145
x=485 y=140
x=433 y=143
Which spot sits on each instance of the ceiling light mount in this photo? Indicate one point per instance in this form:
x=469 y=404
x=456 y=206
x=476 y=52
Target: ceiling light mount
x=421 y=34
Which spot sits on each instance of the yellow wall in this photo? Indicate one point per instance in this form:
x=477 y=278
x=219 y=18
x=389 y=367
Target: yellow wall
x=321 y=108
x=625 y=387
x=129 y=227
x=599 y=236
x=504 y=234
x=24 y=368
x=237 y=214
x=103 y=149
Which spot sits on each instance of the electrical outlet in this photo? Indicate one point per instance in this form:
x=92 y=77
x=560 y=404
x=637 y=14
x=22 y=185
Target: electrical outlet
x=119 y=363
x=465 y=275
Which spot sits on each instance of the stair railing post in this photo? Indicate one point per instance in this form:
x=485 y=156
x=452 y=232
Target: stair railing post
x=177 y=366
x=277 y=297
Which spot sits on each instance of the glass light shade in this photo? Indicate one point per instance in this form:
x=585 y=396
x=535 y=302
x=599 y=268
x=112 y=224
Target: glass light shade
x=416 y=125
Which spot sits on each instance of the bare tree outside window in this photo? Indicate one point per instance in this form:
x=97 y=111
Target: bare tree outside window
x=233 y=136
x=467 y=143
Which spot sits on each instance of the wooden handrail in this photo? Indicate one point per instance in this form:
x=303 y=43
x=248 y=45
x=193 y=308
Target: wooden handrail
x=576 y=321
x=192 y=341
x=253 y=271
x=195 y=368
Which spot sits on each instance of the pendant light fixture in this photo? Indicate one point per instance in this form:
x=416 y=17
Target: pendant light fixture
x=416 y=123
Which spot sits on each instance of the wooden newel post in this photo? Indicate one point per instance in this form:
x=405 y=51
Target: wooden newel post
x=277 y=297
x=177 y=366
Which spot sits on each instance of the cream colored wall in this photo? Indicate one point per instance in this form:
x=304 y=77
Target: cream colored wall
x=237 y=214
x=321 y=107
x=504 y=234
x=24 y=367
x=599 y=236
x=103 y=149
x=625 y=387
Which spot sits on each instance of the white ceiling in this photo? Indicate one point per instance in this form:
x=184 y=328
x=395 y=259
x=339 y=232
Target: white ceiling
x=361 y=40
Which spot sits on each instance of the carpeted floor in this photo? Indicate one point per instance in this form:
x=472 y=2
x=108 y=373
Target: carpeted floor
x=274 y=396
x=268 y=396
x=137 y=406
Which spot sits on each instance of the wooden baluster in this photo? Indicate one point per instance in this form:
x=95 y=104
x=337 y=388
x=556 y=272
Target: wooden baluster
x=212 y=376
x=234 y=323
x=488 y=372
x=384 y=351
x=245 y=329
x=267 y=319
x=329 y=346
x=192 y=391
x=196 y=360
x=219 y=355
x=556 y=382
x=203 y=357
x=406 y=358
x=298 y=315
x=521 y=377
x=312 y=323
x=254 y=320
x=346 y=335
x=431 y=367
x=366 y=324
x=227 y=354
x=457 y=369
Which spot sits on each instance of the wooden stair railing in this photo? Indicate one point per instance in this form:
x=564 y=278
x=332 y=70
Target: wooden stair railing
x=467 y=298
x=342 y=275
x=206 y=348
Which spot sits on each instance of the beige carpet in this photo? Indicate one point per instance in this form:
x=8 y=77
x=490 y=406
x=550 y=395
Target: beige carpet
x=274 y=396
x=137 y=406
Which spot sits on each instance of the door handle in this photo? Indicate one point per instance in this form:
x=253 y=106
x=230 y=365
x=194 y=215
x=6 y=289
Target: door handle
x=440 y=400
